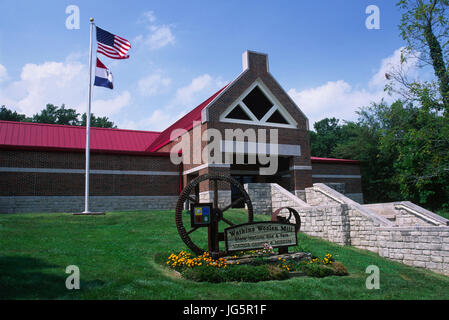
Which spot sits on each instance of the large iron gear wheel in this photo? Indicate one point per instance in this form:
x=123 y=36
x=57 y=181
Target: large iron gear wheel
x=186 y=195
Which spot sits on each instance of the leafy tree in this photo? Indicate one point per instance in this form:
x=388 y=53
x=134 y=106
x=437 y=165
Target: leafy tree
x=420 y=137
x=425 y=28
x=404 y=151
x=55 y=115
x=9 y=115
x=362 y=141
x=100 y=122
x=326 y=136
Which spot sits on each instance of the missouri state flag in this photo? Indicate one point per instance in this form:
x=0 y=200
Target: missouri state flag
x=103 y=77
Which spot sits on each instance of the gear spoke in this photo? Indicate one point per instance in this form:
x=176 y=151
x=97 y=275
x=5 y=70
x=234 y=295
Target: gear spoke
x=227 y=221
x=236 y=202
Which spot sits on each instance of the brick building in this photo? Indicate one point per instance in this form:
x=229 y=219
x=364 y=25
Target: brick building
x=42 y=166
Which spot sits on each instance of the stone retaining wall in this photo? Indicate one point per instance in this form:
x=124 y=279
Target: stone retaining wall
x=76 y=203
x=398 y=231
x=425 y=247
x=327 y=222
x=268 y=197
x=224 y=197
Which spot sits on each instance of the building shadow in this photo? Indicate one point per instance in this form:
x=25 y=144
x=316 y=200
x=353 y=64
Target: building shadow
x=27 y=278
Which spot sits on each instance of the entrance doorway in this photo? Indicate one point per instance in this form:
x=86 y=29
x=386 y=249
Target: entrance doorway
x=235 y=193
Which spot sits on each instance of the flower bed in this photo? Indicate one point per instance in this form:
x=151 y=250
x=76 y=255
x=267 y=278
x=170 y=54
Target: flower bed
x=253 y=266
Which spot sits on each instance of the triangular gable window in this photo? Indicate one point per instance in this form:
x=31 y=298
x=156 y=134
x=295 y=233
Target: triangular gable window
x=257 y=106
x=277 y=117
x=258 y=103
x=238 y=114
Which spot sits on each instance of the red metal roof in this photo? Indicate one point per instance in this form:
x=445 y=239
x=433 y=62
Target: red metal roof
x=186 y=123
x=333 y=160
x=26 y=135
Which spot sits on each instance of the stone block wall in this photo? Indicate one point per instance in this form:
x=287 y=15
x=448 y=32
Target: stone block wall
x=399 y=231
x=425 y=247
x=326 y=222
x=76 y=203
x=281 y=197
x=425 y=244
x=260 y=195
x=224 y=197
x=268 y=197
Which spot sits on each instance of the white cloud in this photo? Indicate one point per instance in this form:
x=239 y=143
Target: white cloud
x=154 y=84
x=158 y=36
x=108 y=107
x=341 y=100
x=157 y=121
x=3 y=74
x=333 y=99
x=197 y=89
x=393 y=62
x=149 y=15
x=57 y=83
x=185 y=99
x=50 y=82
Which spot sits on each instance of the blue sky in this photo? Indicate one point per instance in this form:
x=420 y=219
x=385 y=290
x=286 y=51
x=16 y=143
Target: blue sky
x=183 y=51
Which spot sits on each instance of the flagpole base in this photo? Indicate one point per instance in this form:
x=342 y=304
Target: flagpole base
x=88 y=213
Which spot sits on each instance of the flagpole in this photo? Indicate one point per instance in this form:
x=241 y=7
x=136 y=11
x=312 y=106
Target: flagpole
x=86 y=200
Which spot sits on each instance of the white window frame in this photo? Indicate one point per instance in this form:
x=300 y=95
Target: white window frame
x=254 y=121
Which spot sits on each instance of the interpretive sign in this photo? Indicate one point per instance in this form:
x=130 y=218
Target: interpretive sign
x=255 y=235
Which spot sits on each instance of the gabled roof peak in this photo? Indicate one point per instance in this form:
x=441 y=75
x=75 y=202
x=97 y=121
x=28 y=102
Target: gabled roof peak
x=255 y=60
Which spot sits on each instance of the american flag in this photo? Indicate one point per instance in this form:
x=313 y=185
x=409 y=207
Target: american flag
x=112 y=46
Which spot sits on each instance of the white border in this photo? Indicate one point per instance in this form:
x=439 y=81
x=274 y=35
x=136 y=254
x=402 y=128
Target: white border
x=338 y=176
x=292 y=124
x=82 y=171
x=300 y=168
x=235 y=147
x=207 y=165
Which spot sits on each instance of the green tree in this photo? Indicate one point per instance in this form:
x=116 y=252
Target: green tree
x=9 y=115
x=420 y=137
x=327 y=135
x=425 y=28
x=362 y=141
x=57 y=115
x=99 y=122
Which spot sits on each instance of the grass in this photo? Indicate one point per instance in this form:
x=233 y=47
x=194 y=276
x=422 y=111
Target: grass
x=116 y=257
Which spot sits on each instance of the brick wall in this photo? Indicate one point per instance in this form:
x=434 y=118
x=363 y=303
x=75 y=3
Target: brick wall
x=347 y=176
x=29 y=177
x=69 y=180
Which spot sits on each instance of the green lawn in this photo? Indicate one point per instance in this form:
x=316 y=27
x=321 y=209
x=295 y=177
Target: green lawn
x=116 y=257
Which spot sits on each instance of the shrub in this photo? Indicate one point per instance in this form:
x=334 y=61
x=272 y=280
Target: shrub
x=339 y=268
x=247 y=273
x=277 y=273
x=317 y=270
x=203 y=274
x=241 y=273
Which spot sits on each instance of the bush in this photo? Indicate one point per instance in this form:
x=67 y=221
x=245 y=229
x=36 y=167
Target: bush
x=241 y=273
x=323 y=270
x=339 y=268
x=203 y=274
x=317 y=270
